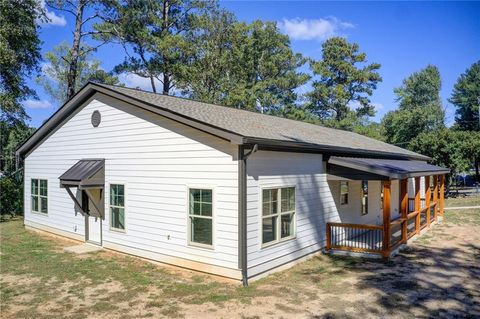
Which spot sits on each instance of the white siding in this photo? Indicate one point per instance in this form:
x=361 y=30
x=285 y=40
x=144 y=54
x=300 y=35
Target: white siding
x=314 y=206
x=351 y=213
x=156 y=159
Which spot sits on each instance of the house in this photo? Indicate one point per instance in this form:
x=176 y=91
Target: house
x=216 y=189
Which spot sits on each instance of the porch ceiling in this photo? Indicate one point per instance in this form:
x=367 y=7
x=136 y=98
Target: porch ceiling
x=359 y=168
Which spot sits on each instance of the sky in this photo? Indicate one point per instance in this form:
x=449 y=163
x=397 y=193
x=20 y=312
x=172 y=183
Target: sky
x=403 y=37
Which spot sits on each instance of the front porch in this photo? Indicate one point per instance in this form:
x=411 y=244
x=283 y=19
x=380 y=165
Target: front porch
x=420 y=202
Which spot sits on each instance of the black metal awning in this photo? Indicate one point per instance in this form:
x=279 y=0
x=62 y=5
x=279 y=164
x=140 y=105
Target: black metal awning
x=85 y=173
x=380 y=169
x=88 y=175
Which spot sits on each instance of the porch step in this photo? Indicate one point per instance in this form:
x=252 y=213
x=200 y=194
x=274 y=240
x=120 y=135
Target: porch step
x=82 y=249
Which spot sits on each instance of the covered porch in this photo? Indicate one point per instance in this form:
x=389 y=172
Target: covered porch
x=418 y=199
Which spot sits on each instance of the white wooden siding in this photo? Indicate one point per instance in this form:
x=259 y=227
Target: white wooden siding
x=314 y=206
x=156 y=159
x=351 y=213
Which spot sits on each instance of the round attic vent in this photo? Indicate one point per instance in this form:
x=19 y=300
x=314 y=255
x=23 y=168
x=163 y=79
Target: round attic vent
x=96 y=118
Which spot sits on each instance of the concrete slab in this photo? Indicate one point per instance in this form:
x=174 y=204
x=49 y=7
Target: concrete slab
x=82 y=249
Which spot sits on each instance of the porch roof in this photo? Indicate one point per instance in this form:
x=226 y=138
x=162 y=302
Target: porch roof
x=86 y=172
x=386 y=168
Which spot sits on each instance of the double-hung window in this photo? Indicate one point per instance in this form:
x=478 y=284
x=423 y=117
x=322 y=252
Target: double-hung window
x=117 y=207
x=200 y=216
x=343 y=193
x=40 y=196
x=364 y=197
x=278 y=214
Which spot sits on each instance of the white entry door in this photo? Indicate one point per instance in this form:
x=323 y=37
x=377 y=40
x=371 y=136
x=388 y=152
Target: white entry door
x=95 y=230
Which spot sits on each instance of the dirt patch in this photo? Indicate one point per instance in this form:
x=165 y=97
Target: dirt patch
x=437 y=276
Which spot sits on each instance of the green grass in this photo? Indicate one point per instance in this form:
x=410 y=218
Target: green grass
x=463 y=216
x=96 y=284
x=472 y=200
x=51 y=272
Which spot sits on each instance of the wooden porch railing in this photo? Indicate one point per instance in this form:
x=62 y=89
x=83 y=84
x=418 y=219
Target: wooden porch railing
x=383 y=239
x=355 y=237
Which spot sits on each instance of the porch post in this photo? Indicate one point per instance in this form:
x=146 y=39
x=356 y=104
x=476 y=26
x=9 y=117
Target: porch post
x=435 y=196
x=386 y=218
x=442 y=192
x=404 y=208
x=417 y=205
x=427 y=198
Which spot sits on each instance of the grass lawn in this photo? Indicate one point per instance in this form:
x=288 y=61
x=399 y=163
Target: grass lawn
x=438 y=275
x=472 y=200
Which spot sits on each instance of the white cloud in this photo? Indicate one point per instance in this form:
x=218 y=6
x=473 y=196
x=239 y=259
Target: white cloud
x=135 y=81
x=313 y=29
x=38 y=104
x=53 y=18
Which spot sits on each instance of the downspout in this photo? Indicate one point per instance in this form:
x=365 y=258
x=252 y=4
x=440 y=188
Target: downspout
x=242 y=210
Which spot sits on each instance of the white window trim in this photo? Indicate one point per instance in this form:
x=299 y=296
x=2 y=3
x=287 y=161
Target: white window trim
x=39 y=196
x=278 y=240
x=118 y=230
x=189 y=220
x=348 y=193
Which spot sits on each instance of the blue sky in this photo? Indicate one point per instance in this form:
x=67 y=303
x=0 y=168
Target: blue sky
x=403 y=37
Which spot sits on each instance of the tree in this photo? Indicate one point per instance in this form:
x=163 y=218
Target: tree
x=153 y=36
x=248 y=66
x=56 y=73
x=78 y=50
x=420 y=108
x=19 y=55
x=448 y=148
x=12 y=136
x=342 y=78
x=466 y=98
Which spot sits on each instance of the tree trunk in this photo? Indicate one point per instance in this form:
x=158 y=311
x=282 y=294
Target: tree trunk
x=166 y=75
x=152 y=82
x=166 y=84
x=73 y=67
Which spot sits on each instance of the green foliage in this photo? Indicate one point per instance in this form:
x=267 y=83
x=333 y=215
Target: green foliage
x=420 y=108
x=342 y=79
x=12 y=135
x=54 y=79
x=466 y=97
x=11 y=200
x=153 y=35
x=247 y=66
x=19 y=55
x=449 y=148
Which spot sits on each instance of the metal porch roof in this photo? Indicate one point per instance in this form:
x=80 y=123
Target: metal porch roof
x=394 y=169
x=83 y=172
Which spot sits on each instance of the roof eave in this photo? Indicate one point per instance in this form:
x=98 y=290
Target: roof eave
x=295 y=146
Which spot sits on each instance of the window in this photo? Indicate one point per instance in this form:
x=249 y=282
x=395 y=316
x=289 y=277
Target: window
x=364 y=197
x=200 y=216
x=343 y=193
x=278 y=212
x=40 y=196
x=117 y=206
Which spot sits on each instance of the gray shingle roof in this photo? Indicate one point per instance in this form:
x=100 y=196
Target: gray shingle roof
x=260 y=126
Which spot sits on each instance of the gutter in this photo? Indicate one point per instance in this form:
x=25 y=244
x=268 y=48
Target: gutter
x=242 y=210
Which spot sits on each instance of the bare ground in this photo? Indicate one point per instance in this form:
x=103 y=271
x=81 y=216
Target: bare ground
x=438 y=276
